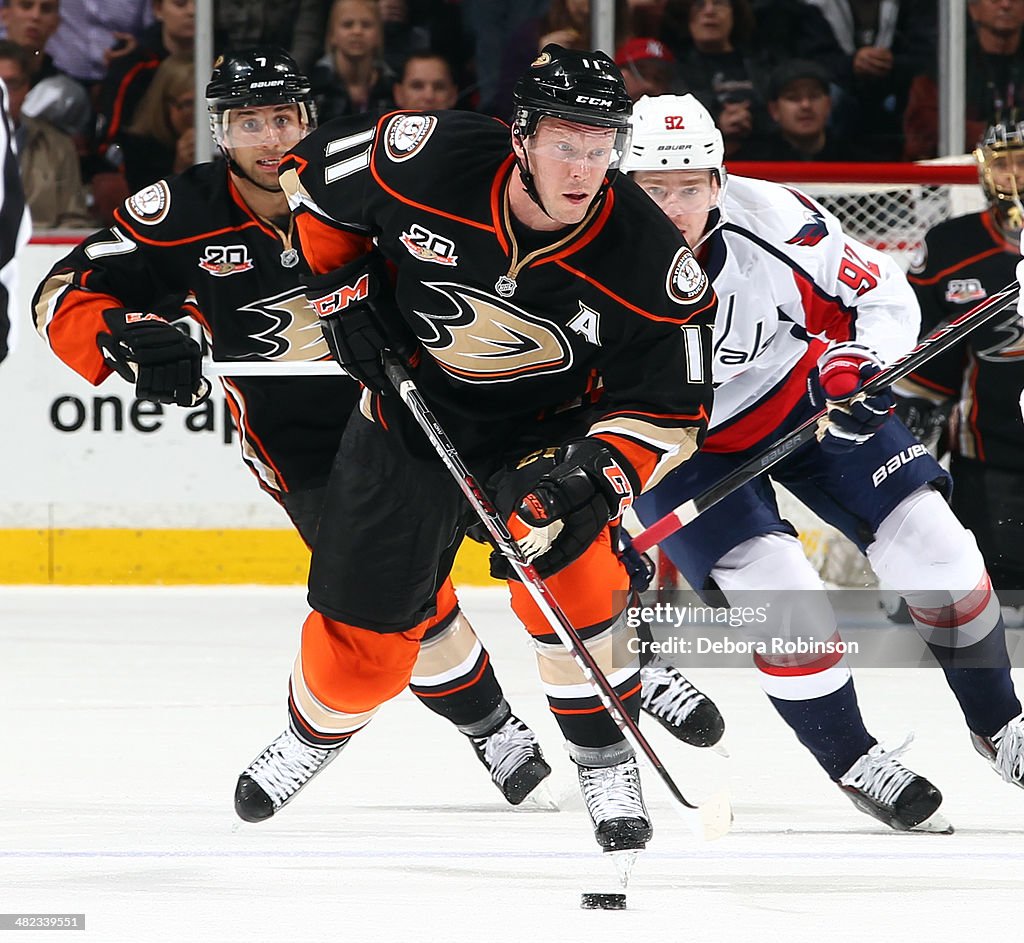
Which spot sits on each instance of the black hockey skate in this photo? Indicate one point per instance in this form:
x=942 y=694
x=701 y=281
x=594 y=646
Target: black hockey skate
x=1005 y=751
x=678 y=706
x=616 y=806
x=513 y=757
x=884 y=788
x=275 y=777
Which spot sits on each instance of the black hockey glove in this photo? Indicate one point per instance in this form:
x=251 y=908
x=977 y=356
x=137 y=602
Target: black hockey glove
x=926 y=420
x=360 y=319
x=165 y=364
x=579 y=496
x=853 y=417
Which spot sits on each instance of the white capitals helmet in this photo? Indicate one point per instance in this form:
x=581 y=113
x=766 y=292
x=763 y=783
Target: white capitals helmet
x=674 y=132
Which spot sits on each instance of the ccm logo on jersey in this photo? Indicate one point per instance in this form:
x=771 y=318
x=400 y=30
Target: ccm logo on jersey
x=406 y=135
x=225 y=260
x=340 y=298
x=897 y=462
x=686 y=279
x=428 y=246
x=961 y=290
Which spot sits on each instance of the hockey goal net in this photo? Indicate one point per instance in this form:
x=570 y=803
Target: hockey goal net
x=890 y=207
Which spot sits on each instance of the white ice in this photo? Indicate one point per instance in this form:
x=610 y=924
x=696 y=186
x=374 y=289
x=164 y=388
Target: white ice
x=128 y=714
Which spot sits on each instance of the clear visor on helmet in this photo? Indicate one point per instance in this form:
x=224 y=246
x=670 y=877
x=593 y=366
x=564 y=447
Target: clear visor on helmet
x=567 y=142
x=681 y=191
x=263 y=126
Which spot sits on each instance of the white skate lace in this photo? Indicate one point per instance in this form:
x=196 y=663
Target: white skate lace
x=612 y=792
x=666 y=693
x=505 y=750
x=878 y=774
x=287 y=765
x=1009 y=744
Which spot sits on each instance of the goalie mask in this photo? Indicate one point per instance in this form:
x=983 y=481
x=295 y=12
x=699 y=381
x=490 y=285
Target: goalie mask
x=1000 y=157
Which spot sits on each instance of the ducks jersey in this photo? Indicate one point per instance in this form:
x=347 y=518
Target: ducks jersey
x=514 y=324
x=190 y=246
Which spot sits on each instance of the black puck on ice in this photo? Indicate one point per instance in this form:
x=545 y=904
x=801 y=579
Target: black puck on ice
x=603 y=901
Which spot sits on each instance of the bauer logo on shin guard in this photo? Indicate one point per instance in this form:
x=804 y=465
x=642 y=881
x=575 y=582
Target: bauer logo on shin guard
x=341 y=298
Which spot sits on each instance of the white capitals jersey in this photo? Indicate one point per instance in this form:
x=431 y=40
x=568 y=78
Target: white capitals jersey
x=790 y=282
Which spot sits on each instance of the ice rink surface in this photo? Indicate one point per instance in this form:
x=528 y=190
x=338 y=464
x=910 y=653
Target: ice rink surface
x=128 y=714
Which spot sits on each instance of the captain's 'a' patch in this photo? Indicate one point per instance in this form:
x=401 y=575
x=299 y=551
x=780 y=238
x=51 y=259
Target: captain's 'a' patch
x=686 y=281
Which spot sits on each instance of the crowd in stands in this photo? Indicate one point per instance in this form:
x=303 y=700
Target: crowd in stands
x=103 y=92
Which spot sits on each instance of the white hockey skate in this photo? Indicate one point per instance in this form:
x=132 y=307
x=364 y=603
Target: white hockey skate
x=615 y=803
x=513 y=757
x=688 y=714
x=275 y=777
x=884 y=788
x=1005 y=751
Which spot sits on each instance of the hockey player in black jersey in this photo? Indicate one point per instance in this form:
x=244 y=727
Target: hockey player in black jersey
x=219 y=238
x=558 y=325
x=978 y=382
x=217 y=243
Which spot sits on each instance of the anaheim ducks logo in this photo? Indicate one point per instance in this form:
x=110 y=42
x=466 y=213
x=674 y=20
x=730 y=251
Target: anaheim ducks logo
x=686 y=280
x=294 y=332
x=1008 y=347
x=488 y=340
x=151 y=204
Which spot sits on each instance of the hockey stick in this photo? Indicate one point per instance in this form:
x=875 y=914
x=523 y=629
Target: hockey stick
x=942 y=338
x=273 y=368
x=708 y=821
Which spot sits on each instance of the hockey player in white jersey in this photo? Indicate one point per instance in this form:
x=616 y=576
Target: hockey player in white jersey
x=806 y=317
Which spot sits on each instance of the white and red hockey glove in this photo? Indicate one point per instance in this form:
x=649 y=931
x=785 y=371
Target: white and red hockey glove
x=853 y=416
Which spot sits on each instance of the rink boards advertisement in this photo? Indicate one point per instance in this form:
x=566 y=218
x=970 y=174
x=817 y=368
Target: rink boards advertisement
x=99 y=487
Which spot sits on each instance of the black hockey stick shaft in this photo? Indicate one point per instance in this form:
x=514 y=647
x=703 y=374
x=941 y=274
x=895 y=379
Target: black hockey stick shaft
x=538 y=590
x=942 y=338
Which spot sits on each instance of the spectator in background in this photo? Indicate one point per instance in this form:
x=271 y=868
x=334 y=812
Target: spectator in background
x=994 y=79
x=161 y=139
x=47 y=156
x=793 y=29
x=352 y=77
x=886 y=43
x=92 y=33
x=800 y=104
x=647 y=65
x=14 y=224
x=402 y=37
x=719 y=72
x=503 y=38
x=172 y=33
x=426 y=84
x=297 y=25
x=30 y=24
